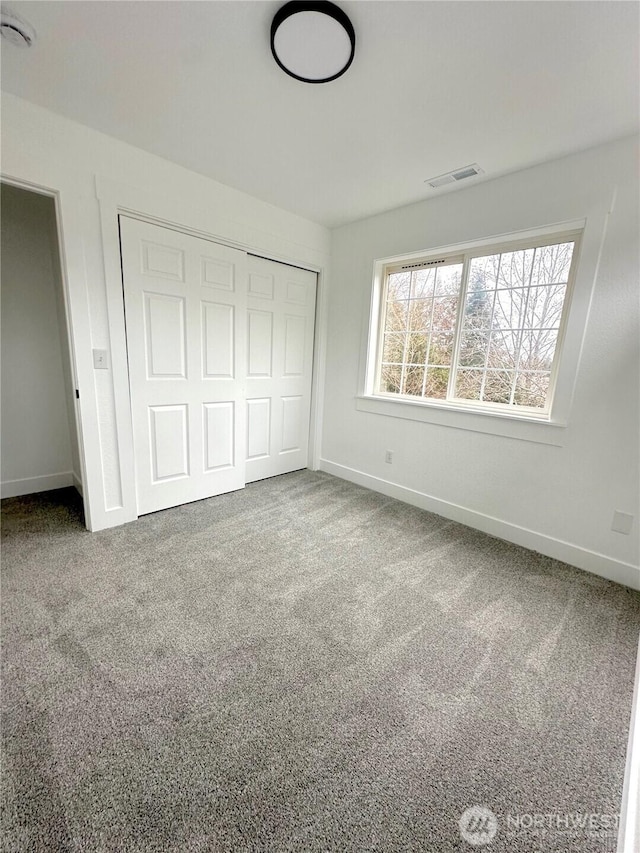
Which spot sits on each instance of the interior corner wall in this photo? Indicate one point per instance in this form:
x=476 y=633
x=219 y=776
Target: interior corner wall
x=38 y=429
x=556 y=500
x=81 y=167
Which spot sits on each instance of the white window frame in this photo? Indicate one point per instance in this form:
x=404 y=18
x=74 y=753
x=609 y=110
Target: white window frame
x=535 y=425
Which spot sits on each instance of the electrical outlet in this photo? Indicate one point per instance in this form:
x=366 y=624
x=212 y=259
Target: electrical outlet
x=622 y=522
x=388 y=457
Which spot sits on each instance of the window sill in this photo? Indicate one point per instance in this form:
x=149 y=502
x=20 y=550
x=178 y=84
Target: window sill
x=502 y=424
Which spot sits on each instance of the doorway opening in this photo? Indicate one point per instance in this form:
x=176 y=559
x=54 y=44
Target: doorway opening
x=40 y=450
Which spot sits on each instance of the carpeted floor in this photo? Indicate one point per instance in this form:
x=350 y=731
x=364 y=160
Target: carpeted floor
x=304 y=665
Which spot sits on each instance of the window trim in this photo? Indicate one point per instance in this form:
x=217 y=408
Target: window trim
x=546 y=427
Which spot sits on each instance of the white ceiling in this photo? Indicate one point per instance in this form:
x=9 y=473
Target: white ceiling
x=434 y=86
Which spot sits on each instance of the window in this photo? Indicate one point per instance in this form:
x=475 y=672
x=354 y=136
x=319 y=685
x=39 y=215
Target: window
x=480 y=330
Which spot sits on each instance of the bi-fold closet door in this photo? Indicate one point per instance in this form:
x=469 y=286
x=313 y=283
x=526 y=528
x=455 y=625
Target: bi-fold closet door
x=220 y=349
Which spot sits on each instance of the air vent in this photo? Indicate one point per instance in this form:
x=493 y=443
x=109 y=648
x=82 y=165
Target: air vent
x=423 y=264
x=456 y=175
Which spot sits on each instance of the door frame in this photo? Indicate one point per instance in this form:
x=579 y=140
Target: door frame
x=115 y=199
x=72 y=305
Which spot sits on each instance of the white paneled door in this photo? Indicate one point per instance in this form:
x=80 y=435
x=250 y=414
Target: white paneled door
x=185 y=306
x=220 y=349
x=281 y=305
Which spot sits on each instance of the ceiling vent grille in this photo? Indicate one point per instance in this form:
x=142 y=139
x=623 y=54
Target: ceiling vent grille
x=456 y=175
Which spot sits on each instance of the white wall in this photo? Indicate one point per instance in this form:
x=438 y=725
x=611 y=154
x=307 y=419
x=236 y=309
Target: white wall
x=556 y=499
x=92 y=176
x=38 y=437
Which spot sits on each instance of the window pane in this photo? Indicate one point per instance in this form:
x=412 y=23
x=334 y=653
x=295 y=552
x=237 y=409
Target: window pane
x=441 y=348
x=419 y=326
x=473 y=348
x=503 y=349
x=413 y=378
x=483 y=273
x=416 y=352
x=478 y=308
x=448 y=280
x=390 y=376
x=399 y=286
x=423 y=283
x=468 y=384
x=515 y=268
x=393 y=347
x=509 y=308
x=437 y=381
x=544 y=308
x=531 y=389
x=537 y=350
x=497 y=386
x=511 y=320
x=420 y=314
x=551 y=264
x=396 y=319
x=445 y=311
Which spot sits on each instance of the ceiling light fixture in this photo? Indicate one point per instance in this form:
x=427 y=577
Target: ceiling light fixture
x=313 y=42
x=15 y=29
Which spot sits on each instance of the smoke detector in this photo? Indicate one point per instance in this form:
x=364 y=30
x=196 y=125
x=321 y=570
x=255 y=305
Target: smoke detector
x=456 y=175
x=15 y=29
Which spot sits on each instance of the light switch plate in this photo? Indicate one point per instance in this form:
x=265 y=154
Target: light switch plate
x=100 y=359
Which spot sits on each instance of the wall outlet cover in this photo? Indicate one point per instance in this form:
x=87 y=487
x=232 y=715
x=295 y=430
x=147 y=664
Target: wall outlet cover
x=622 y=522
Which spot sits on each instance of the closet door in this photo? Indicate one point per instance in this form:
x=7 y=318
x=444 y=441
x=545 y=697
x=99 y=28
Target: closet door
x=281 y=304
x=185 y=304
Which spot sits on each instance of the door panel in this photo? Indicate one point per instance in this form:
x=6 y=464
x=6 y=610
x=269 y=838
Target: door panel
x=260 y=343
x=218 y=340
x=294 y=345
x=185 y=303
x=163 y=261
x=169 y=439
x=293 y=423
x=280 y=324
x=219 y=435
x=258 y=428
x=165 y=336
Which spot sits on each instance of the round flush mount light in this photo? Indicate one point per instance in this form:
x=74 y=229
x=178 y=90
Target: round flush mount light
x=15 y=29
x=314 y=42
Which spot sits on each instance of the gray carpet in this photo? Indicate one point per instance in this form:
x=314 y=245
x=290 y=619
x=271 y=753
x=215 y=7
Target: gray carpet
x=303 y=666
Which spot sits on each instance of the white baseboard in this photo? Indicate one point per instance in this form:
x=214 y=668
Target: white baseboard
x=629 y=834
x=598 y=564
x=30 y=485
